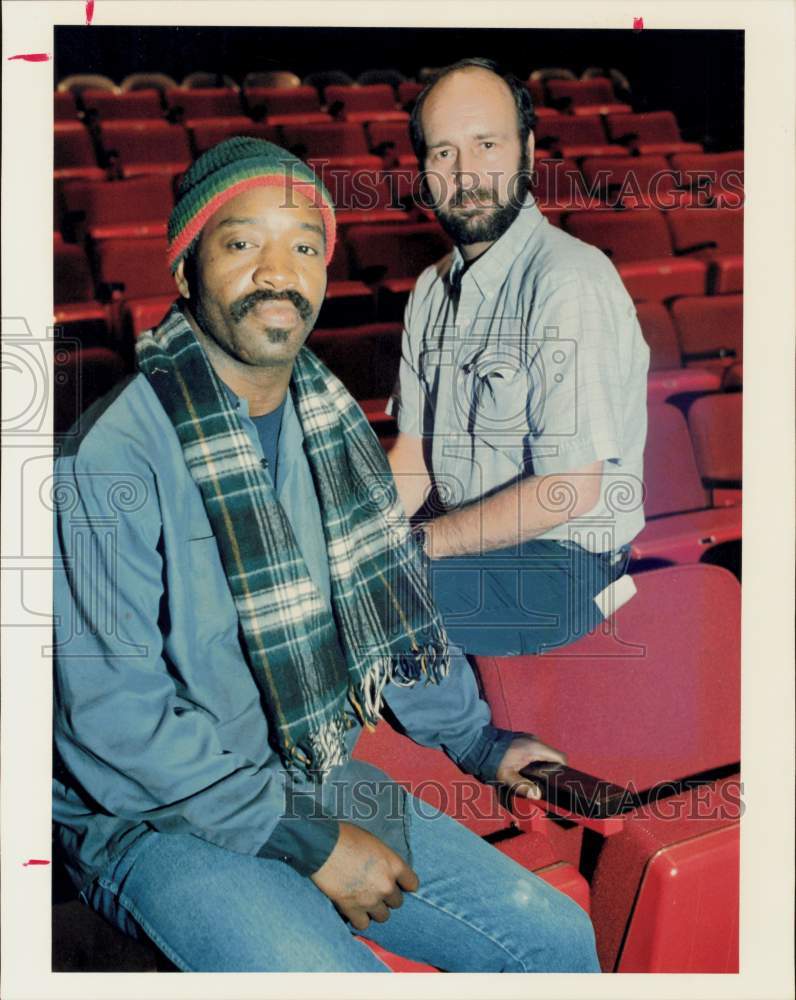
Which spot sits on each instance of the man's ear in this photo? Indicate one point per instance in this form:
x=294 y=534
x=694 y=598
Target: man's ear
x=181 y=280
x=531 y=144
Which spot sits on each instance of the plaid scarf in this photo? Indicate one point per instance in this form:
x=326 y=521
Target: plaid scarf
x=383 y=627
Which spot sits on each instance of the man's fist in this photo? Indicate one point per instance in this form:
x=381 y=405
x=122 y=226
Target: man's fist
x=363 y=877
x=524 y=750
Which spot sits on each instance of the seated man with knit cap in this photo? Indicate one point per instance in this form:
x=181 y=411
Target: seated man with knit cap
x=235 y=601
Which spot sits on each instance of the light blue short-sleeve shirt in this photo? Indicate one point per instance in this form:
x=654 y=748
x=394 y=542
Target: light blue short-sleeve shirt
x=529 y=361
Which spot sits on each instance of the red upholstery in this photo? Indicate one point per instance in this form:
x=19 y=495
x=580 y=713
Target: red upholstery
x=671 y=476
x=667 y=382
x=74 y=152
x=716 y=425
x=403 y=251
x=373 y=102
x=139 y=266
x=595 y=95
x=733 y=376
x=360 y=194
x=557 y=183
x=651 y=696
x=650 y=132
x=206 y=102
x=147 y=146
x=710 y=325
x=660 y=335
x=575 y=136
x=394 y=132
x=716 y=235
x=327 y=139
x=285 y=103
x=64 y=108
x=208 y=132
x=131 y=104
x=137 y=206
x=72 y=276
x=681 y=529
x=638 y=242
x=665 y=892
x=409 y=91
x=634 y=181
x=139 y=315
x=716 y=174
x=364 y=358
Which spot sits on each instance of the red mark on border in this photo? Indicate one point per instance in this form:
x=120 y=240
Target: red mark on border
x=89 y=10
x=638 y=23
x=35 y=861
x=31 y=57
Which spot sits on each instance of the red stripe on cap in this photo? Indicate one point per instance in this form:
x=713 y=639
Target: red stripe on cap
x=184 y=239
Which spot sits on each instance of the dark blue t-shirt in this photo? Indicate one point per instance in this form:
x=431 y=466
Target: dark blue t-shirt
x=268 y=426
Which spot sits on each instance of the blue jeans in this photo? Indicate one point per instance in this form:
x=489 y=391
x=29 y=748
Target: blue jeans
x=211 y=910
x=521 y=601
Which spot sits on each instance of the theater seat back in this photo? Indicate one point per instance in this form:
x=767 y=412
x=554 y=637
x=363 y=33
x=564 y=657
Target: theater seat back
x=651 y=696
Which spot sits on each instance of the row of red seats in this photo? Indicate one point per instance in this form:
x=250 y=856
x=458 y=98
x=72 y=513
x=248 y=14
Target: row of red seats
x=372 y=102
x=150 y=145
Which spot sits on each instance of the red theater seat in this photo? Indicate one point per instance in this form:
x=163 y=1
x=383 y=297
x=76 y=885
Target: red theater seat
x=147 y=147
x=638 y=242
x=575 y=137
x=330 y=139
x=390 y=139
x=716 y=236
x=364 y=358
x=649 y=133
x=634 y=182
x=360 y=194
x=717 y=174
x=206 y=102
x=716 y=425
x=131 y=104
x=558 y=184
x=347 y=303
x=285 y=105
x=710 y=328
x=681 y=527
x=373 y=102
x=660 y=335
x=409 y=91
x=134 y=269
x=208 y=132
x=75 y=306
x=64 y=107
x=74 y=153
x=594 y=96
x=664 y=893
x=139 y=315
x=393 y=257
x=138 y=206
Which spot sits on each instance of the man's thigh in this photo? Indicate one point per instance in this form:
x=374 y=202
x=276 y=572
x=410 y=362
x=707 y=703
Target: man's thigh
x=478 y=911
x=506 y=604
x=212 y=910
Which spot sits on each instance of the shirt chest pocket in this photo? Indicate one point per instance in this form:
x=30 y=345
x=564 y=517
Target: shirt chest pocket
x=496 y=393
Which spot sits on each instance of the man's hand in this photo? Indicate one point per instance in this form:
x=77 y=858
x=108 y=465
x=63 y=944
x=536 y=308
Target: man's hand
x=524 y=750
x=363 y=877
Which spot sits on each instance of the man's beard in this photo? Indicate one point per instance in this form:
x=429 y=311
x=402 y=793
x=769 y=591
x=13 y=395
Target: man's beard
x=490 y=225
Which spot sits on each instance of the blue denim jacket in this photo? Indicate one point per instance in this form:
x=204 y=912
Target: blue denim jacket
x=158 y=722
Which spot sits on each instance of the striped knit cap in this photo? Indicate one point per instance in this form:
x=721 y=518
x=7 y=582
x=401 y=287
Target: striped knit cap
x=226 y=170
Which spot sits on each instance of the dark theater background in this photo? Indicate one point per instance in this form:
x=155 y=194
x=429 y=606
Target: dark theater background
x=639 y=151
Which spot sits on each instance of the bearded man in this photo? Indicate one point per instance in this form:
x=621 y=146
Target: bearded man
x=521 y=396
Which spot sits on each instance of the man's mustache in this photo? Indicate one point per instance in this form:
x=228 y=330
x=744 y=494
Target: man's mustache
x=470 y=198
x=240 y=308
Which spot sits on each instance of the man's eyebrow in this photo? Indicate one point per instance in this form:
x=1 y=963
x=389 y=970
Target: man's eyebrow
x=494 y=134
x=313 y=228
x=236 y=222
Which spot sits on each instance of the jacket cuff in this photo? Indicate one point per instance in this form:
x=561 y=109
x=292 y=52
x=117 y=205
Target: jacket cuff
x=484 y=756
x=304 y=840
